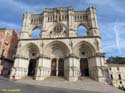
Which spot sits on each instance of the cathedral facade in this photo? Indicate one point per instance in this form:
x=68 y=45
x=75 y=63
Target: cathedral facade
x=60 y=51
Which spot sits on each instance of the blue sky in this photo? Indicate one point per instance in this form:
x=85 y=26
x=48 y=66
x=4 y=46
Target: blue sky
x=110 y=13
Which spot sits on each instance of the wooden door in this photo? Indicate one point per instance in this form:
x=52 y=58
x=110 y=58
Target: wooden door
x=61 y=67
x=53 y=67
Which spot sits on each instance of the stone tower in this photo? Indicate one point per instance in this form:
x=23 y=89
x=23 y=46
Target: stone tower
x=60 y=51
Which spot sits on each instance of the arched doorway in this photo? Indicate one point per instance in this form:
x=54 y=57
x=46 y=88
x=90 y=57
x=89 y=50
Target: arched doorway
x=84 y=67
x=57 y=51
x=57 y=67
x=31 y=52
x=32 y=67
x=85 y=51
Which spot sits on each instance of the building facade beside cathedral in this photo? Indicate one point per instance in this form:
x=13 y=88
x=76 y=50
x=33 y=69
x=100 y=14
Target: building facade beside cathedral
x=60 y=51
x=8 y=46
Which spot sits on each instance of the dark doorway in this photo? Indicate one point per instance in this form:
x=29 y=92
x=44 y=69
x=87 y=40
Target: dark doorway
x=32 y=66
x=84 y=67
x=53 y=67
x=61 y=67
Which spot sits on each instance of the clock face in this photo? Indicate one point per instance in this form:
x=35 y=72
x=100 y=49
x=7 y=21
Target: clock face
x=58 y=28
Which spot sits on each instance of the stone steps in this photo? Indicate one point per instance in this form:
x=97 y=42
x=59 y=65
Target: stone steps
x=27 y=78
x=55 y=78
x=85 y=84
x=84 y=78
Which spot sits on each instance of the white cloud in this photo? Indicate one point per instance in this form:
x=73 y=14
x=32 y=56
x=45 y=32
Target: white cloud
x=98 y=2
x=111 y=38
x=20 y=7
x=116 y=5
x=111 y=32
x=119 y=30
x=10 y=26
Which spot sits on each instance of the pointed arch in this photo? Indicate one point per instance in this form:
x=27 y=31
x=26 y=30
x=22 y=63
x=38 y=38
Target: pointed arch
x=84 y=49
x=30 y=50
x=81 y=30
x=36 y=33
x=57 y=48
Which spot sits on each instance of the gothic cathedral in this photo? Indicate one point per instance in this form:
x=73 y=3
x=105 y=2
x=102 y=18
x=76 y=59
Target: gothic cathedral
x=60 y=51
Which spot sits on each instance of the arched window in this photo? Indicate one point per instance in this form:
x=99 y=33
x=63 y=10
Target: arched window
x=36 y=33
x=81 y=31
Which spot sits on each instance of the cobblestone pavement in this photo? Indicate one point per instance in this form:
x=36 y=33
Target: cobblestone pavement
x=55 y=86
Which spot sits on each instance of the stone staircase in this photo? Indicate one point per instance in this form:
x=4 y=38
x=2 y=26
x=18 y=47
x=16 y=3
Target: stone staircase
x=84 y=84
x=27 y=78
x=84 y=78
x=55 y=78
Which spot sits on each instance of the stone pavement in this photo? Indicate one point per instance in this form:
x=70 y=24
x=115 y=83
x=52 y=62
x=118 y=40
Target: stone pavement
x=86 y=84
x=25 y=88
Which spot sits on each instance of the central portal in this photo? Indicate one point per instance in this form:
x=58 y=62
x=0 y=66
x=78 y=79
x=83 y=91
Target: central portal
x=32 y=66
x=57 y=67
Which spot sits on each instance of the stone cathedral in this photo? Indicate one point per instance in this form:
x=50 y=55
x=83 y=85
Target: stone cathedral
x=60 y=51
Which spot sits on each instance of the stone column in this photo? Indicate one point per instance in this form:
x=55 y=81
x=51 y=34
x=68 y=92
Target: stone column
x=92 y=21
x=100 y=66
x=72 y=31
x=43 y=69
x=26 y=28
x=20 y=68
x=72 y=68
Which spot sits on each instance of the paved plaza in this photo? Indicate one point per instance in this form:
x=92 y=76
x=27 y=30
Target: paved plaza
x=56 y=85
x=85 y=84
